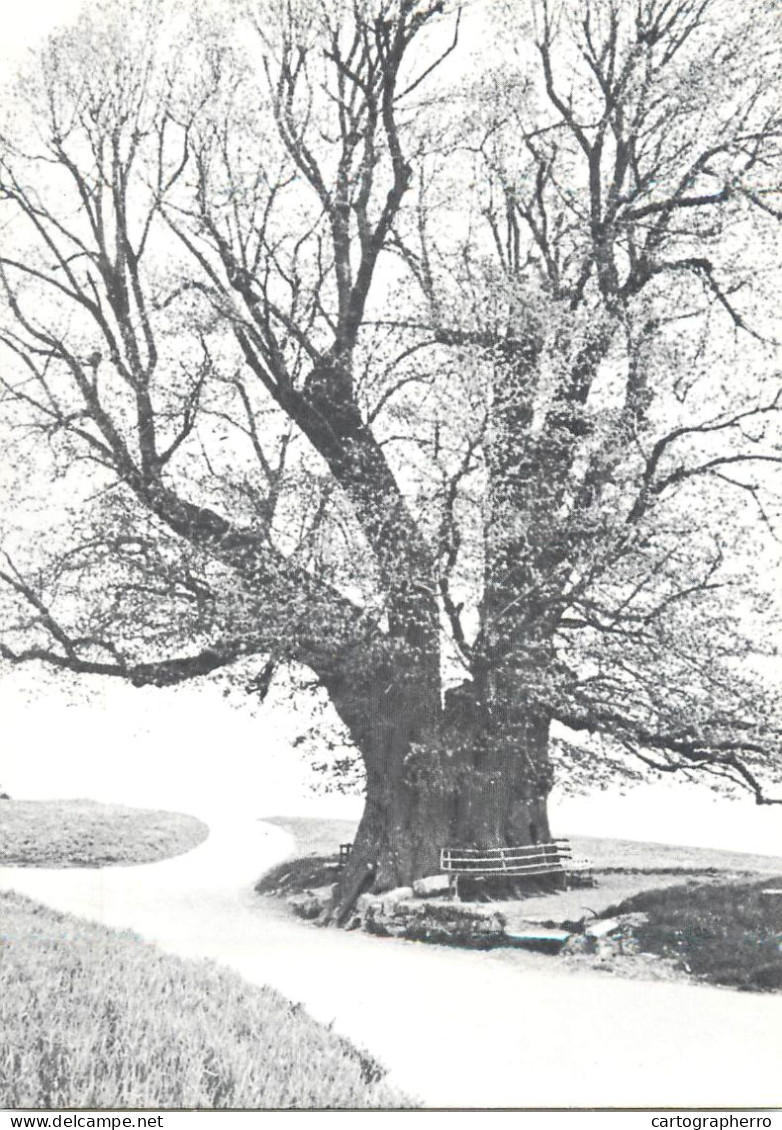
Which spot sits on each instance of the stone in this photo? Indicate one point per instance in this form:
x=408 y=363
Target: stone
x=637 y=918
x=431 y=885
x=444 y=922
x=325 y=894
x=305 y=905
x=577 y=943
x=311 y=904
x=389 y=899
x=406 y=906
x=629 y=946
x=364 y=902
x=603 y=927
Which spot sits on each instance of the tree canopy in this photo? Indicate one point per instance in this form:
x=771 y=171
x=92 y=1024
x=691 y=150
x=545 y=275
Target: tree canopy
x=428 y=347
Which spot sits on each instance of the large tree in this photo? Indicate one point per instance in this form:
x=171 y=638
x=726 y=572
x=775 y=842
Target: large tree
x=452 y=387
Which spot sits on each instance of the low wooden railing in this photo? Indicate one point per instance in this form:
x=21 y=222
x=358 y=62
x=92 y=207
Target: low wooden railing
x=553 y=858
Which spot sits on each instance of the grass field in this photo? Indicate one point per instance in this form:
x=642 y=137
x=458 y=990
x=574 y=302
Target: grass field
x=83 y=833
x=90 y=1017
x=725 y=933
x=313 y=835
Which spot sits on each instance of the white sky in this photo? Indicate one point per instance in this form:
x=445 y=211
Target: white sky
x=26 y=24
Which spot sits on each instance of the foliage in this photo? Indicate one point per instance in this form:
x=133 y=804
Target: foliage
x=96 y=1018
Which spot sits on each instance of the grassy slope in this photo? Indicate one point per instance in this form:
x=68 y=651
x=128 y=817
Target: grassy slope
x=726 y=933
x=90 y=1017
x=629 y=855
x=83 y=833
x=315 y=858
x=323 y=837
x=315 y=836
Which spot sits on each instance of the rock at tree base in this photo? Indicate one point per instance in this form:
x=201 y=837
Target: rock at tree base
x=389 y=899
x=311 y=904
x=446 y=923
x=431 y=885
x=603 y=927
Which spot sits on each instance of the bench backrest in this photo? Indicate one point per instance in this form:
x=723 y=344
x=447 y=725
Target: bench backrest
x=528 y=858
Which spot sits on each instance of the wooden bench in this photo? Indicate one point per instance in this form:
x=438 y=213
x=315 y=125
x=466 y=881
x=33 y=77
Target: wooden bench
x=554 y=858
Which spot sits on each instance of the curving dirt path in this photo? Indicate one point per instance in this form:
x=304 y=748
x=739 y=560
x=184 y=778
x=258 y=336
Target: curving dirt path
x=456 y=1029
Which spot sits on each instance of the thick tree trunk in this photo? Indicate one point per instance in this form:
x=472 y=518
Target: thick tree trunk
x=472 y=771
x=503 y=799
x=469 y=782
x=408 y=805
